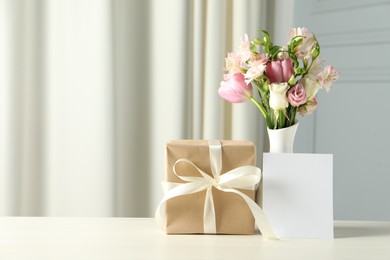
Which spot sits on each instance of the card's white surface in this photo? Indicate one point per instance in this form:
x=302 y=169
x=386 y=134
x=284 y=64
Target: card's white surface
x=298 y=194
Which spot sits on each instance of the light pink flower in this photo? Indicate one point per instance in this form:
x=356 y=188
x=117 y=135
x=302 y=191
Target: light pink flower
x=277 y=96
x=234 y=64
x=235 y=90
x=245 y=48
x=327 y=77
x=309 y=107
x=254 y=72
x=280 y=70
x=304 y=49
x=316 y=67
x=296 y=95
x=299 y=31
x=261 y=58
x=256 y=67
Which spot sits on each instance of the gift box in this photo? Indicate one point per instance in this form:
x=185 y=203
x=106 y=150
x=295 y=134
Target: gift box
x=185 y=214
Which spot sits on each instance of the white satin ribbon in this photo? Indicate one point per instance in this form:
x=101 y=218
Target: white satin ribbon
x=238 y=178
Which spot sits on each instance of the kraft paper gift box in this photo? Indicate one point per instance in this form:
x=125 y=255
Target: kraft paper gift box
x=184 y=214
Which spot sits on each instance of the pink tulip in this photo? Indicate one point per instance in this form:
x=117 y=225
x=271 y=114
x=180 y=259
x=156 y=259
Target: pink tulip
x=235 y=89
x=297 y=95
x=280 y=70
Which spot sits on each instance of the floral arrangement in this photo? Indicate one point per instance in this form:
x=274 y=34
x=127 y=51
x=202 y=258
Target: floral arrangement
x=287 y=78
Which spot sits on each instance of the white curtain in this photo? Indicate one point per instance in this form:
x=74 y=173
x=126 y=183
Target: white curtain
x=90 y=91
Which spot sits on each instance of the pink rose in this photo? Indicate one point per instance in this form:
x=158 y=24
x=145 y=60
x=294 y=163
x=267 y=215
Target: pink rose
x=279 y=71
x=309 y=107
x=297 y=95
x=235 y=89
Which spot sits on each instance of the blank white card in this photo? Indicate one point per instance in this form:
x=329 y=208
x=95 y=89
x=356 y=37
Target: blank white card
x=298 y=194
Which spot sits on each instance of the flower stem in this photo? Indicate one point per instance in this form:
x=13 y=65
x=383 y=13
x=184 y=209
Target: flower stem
x=294 y=114
x=260 y=107
x=281 y=119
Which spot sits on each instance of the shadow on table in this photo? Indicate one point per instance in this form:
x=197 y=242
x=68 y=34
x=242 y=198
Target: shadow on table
x=356 y=231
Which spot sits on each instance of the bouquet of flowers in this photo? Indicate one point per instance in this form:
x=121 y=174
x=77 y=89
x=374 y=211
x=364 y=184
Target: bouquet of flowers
x=287 y=78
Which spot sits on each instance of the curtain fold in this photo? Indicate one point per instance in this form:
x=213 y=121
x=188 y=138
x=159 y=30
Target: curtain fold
x=132 y=106
x=92 y=90
x=215 y=52
x=21 y=116
x=78 y=125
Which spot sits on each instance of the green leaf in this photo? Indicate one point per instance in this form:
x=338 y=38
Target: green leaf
x=269 y=119
x=267 y=44
x=296 y=41
x=266 y=49
x=257 y=41
x=274 y=51
x=291 y=81
x=295 y=60
x=266 y=86
x=289 y=48
x=265 y=32
x=300 y=71
x=305 y=63
x=315 y=51
x=253 y=48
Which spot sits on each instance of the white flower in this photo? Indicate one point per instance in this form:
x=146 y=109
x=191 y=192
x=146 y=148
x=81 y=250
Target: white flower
x=311 y=86
x=316 y=67
x=283 y=54
x=278 y=99
x=299 y=31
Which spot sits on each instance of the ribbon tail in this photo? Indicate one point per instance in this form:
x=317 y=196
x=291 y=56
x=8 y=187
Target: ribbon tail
x=183 y=189
x=209 y=225
x=259 y=215
x=158 y=215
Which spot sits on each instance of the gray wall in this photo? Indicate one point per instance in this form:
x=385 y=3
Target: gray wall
x=352 y=121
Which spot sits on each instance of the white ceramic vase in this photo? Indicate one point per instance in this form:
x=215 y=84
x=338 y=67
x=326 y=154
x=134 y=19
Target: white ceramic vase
x=282 y=140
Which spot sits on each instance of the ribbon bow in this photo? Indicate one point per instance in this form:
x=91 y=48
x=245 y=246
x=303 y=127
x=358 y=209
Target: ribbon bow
x=245 y=177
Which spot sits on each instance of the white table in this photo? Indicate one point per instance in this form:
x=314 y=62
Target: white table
x=132 y=238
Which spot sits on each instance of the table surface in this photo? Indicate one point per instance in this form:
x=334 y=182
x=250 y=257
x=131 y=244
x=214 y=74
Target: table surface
x=140 y=238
